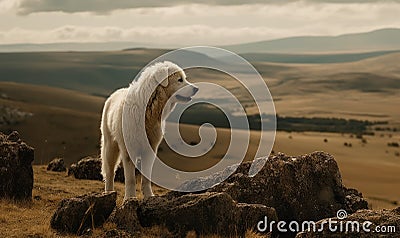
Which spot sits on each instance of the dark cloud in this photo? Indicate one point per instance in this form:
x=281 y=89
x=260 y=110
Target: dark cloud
x=104 y=6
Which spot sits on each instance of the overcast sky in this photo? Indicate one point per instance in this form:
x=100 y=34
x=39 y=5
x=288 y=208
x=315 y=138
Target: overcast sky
x=178 y=22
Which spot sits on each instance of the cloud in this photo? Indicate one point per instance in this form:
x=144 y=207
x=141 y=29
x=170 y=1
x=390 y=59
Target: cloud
x=167 y=36
x=199 y=24
x=106 y=6
x=7 y=5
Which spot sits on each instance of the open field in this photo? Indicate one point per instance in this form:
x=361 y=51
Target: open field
x=66 y=116
x=65 y=123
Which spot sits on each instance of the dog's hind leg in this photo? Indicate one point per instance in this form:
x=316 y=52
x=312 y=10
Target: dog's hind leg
x=109 y=158
x=129 y=173
x=146 y=187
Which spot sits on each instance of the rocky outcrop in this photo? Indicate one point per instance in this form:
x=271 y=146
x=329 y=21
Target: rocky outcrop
x=76 y=215
x=90 y=168
x=363 y=223
x=16 y=173
x=302 y=188
x=206 y=213
x=56 y=165
x=307 y=187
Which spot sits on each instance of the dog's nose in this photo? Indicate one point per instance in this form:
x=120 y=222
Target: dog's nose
x=195 y=89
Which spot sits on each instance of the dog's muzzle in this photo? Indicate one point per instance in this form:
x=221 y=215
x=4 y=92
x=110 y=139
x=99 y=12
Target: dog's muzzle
x=190 y=94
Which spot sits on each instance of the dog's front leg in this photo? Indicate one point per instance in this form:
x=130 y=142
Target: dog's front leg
x=130 y=179
x=147 y=164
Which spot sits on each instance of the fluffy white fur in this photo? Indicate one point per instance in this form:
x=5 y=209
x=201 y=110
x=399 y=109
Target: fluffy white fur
x=169 y=81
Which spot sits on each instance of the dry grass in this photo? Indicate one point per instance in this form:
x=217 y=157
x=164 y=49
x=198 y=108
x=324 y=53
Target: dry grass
x=27 y=219
x=20 y=219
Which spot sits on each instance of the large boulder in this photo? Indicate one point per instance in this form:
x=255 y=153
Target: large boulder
x=90 y=168
x=301 y=188
x=206 y=213
x=363 y=223
x=16 y=173
x=76 y=215
x=56 y=165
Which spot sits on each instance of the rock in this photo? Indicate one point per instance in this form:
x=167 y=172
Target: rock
x=56 y=165
x=126 y=216
x=206 y=213
x=117 y=233
x=252 y=214
x=13 y=137
x=90 y=168
x=370 y=219
x=16 y=173
x=203 y=183
x=354 y=200
x=71 y=170
x=307 y=187
x=87 y=168
x=77 y=215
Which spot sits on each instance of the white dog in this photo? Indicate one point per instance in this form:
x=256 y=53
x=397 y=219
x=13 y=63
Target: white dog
x=156 y=87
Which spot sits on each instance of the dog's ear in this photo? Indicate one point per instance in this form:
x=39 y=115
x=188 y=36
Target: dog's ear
x=161 y=76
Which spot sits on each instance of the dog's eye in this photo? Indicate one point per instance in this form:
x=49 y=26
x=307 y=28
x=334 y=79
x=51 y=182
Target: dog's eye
x=180 y=80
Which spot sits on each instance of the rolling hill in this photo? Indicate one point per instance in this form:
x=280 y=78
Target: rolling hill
x=73 y=46
x=99 y=73
x=379 y=40
x=64 y=123
x=375 y=78
x=91 y=72
x=312 y=58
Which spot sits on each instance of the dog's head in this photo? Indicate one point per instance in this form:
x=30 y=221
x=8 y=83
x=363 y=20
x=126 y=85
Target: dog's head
x=173 y=80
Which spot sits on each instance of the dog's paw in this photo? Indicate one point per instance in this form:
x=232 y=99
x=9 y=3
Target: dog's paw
x=147 y=195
